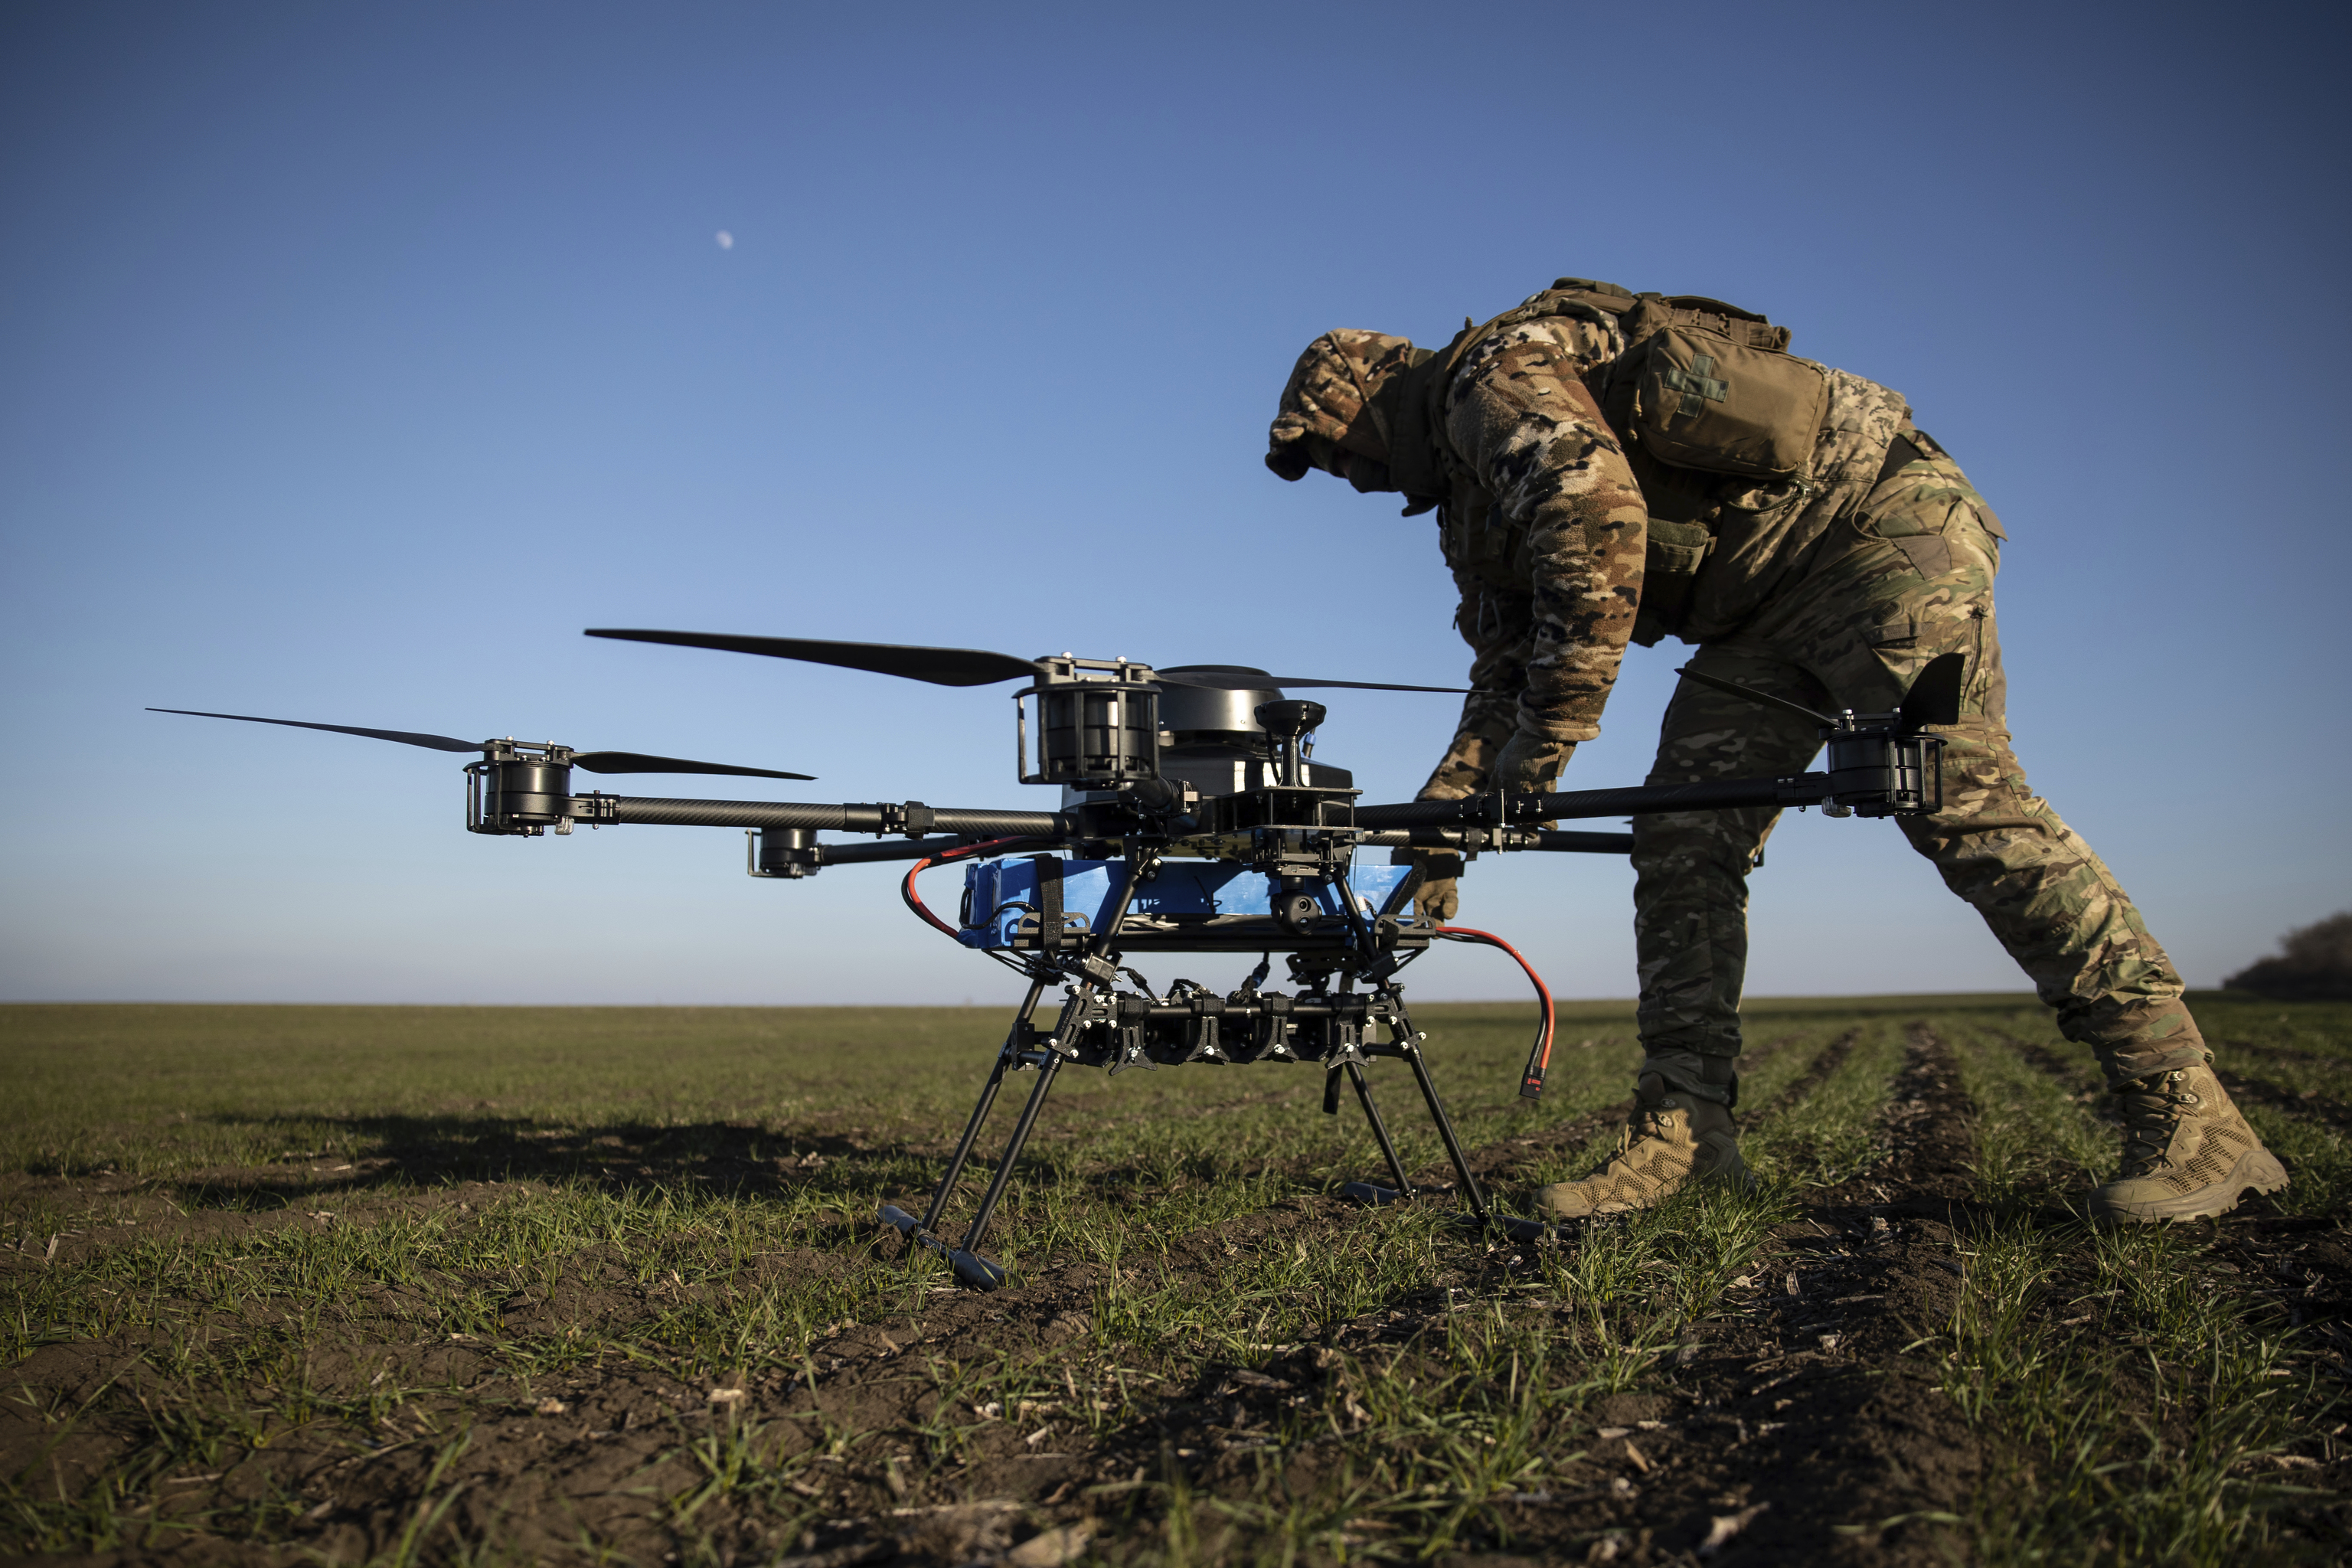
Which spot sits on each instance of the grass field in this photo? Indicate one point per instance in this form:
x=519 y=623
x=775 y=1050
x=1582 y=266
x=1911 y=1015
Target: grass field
x=500 y=1285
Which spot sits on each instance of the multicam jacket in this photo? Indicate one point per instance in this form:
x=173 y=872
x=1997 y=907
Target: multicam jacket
x=1545 y=524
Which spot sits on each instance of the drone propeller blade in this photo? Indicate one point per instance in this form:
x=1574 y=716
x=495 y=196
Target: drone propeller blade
x=1227 y=681
x=940 y=666
x=638 y=762
x=595 y=761
x=1766 y=698
x=958 y=665
x=1935 y=697
x=405 y=737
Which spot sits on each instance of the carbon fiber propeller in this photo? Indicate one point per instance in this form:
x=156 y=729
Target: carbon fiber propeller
x=595 y=761
x=968 y=665
x=1935 y=696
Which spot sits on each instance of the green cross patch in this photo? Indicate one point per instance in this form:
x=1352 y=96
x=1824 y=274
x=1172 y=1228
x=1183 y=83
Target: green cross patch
x=1696 y=385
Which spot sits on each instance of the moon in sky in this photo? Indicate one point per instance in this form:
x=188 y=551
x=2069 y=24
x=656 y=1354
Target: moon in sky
x=726 y=240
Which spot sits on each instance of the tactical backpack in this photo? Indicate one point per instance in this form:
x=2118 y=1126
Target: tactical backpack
x=1711 y=407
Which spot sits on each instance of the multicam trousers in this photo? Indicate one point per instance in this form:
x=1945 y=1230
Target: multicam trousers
x=1913 y=578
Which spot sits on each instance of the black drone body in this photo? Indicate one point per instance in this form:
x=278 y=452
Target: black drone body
x=1193 y=818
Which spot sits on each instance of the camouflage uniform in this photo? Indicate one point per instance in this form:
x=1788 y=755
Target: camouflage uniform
x=1833 y=591
x=1903 y=576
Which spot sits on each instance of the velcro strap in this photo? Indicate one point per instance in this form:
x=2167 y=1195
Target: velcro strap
x=1049 y=901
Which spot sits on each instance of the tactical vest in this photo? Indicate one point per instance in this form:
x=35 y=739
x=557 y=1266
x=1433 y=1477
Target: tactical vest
x=1712 y=410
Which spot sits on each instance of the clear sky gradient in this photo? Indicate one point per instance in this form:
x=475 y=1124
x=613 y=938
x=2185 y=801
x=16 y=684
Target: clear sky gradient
x=357 y=357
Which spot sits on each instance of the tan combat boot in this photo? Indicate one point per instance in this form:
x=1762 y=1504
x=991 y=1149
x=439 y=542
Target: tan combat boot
x=1671 y=1138
x=2187 y=1152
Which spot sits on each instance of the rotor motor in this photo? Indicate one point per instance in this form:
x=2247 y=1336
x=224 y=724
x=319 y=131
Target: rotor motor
x=1883 y=772
x=1095 y=731
x=787 y=852
x=518 y=792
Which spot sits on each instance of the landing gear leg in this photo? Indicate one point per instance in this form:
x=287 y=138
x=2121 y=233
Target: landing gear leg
x=1408 y=1045
x=1365 y=1191
x=920 y=1230
x=969 y=1264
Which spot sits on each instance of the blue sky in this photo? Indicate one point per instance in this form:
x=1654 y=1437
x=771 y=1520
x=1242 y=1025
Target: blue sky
x=358 y=357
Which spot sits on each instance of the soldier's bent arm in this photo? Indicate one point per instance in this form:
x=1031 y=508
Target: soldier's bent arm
x=1520 y=416
x=1496 y=626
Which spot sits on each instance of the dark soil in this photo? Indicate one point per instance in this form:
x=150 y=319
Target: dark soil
x=1808 y=1414
x=1804 y=1410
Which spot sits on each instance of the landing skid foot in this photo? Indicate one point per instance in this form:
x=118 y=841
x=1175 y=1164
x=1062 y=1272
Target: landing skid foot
x=980 y=1273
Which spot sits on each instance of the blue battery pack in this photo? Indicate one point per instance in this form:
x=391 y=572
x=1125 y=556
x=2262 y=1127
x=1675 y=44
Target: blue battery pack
x=999 y=895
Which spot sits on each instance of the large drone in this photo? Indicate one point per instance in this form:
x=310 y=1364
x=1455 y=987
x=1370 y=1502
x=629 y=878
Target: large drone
x=1192 y=819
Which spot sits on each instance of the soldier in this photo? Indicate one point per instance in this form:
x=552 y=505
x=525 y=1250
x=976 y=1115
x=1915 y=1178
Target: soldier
x=1608 y=467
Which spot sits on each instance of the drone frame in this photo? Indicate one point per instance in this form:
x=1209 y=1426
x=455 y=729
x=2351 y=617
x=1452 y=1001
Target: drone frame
x=1097 y=734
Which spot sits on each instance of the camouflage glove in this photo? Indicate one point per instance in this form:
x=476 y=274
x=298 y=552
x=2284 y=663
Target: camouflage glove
x=1438 y=895
x=1529 y=766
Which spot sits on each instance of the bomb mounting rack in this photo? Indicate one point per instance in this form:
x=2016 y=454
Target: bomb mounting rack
x=1193 y=818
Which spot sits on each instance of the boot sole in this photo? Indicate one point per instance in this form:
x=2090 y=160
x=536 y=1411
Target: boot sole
x=2257 y=1169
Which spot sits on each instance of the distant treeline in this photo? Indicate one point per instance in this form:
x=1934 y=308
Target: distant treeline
x=2314 y=965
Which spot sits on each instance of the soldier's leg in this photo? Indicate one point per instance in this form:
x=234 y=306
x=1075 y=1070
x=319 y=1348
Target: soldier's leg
x=2073 y=929
x=1865 y=625
x=2053 y=905
x=1918 y=582
x=1690 y=924
x=1690 y=889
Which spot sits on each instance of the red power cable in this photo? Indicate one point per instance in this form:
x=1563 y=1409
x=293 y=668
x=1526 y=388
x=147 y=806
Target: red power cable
x=961 y=852
x=1531 y=1082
